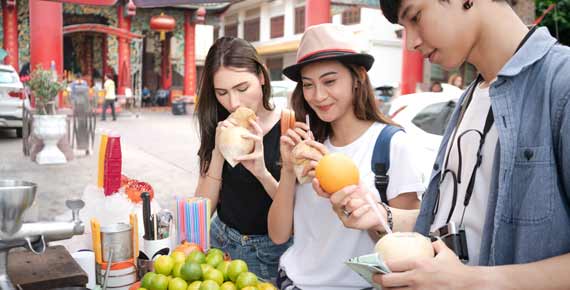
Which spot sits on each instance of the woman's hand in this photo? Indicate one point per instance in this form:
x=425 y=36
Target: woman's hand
x=351 y=207
x=254 y=162
x=312 y=156
x=289 y=140
x=227 y=123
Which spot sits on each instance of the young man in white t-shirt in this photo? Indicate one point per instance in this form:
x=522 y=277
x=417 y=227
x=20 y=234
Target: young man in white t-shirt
x=502 y=172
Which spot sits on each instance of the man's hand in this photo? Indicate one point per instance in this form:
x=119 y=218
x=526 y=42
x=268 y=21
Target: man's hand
x=445 y=271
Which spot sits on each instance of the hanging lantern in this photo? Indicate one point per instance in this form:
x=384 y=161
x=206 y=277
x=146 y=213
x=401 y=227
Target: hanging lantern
x=162 y=24
x=200 y=15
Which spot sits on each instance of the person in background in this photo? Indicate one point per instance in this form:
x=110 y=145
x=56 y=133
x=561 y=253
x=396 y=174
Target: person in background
x=456 y=80
x=436 y=87
x=234 y=76
x=110 y=97
x=146 y=96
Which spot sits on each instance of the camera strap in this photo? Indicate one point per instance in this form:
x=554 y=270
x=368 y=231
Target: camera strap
x=487 y=127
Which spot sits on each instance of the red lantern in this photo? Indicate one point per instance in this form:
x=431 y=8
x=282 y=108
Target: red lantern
x=162 y=24
x=201 y=15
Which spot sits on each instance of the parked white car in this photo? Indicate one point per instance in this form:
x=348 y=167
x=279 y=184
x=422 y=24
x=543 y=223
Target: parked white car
x=281 y=93
x=12 y=99
x=424 y=116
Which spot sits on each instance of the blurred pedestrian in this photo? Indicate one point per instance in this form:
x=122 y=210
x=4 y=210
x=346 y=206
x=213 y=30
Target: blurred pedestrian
x=456 y=80
x=110 y=97
x=436 y=87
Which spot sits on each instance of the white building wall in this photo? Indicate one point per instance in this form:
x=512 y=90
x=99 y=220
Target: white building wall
x=374 y=33
x=204 y=39
x=264 y=23
x=289 y=7
x=241 y=22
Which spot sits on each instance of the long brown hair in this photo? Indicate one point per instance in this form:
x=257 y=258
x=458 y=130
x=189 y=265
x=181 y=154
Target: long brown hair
x=364 y=106
x=225 y=52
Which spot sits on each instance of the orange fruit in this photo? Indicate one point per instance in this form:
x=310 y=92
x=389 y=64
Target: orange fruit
x=196 y=257
x=188 y=248
x=191 y=272
x=246 y=279
x=228 y=286
x=209 y=285
x=336 y=171
x=235 y=268
x=163 y=265
x=214 y=275
x=159 y=282
x=177 y=284
x=194 y=285
x=178 y=257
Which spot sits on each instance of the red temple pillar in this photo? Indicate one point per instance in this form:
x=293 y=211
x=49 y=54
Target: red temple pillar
x=166 y=72
x=124 y=66
x=317 y=12
x=189 y=55
x=104 y=68
x=89 y=56
x=10 y=23
x=46 y=36
x=412 y=69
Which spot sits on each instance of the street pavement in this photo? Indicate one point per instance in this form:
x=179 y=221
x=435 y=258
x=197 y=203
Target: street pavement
x=157 y=147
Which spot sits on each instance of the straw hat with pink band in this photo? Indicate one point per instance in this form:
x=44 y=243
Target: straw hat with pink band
x=327 y=42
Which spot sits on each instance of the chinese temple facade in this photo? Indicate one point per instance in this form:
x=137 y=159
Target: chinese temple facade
x=160 y=44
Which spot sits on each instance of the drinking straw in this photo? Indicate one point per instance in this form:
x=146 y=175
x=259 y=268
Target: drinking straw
x=308 y=122
x=377 y=212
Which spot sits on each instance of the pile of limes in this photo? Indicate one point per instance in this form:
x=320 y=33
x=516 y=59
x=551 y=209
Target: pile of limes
x=199 y=271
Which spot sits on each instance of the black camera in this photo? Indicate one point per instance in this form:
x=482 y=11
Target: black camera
x=454 y=237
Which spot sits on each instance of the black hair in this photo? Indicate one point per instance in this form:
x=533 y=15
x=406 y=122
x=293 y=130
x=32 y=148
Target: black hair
x=390 y=9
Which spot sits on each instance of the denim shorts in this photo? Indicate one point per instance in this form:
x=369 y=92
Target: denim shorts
x=258 y=251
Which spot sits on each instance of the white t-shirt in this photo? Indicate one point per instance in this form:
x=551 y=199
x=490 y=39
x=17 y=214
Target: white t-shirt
x=474 y=118
x=322 y=244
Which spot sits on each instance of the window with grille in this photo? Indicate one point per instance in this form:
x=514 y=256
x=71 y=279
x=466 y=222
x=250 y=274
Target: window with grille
x=275 y=66
x=299 y=20
x=231 y=30
x=277 y=26
x=251 y=30
x=351 y=16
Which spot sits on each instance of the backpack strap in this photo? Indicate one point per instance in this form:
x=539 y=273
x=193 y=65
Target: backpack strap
x=381 y=160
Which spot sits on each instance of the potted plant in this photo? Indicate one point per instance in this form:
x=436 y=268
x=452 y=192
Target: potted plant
x=47 y=126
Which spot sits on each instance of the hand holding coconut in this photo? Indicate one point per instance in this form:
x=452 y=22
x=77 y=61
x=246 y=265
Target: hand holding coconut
x=230 y=134
x=238 y=144
x=300 y=152
x=445 y=271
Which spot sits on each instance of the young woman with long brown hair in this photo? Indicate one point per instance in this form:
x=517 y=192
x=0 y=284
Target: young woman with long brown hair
x=234 y=77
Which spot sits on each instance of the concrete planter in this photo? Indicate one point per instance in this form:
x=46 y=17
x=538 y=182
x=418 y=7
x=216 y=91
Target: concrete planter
x=50 y=128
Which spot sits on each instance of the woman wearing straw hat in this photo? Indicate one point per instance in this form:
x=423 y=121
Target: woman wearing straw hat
x=334 y=90
x=235 y=77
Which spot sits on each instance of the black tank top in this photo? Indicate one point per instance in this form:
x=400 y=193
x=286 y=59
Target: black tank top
x=243 y=202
